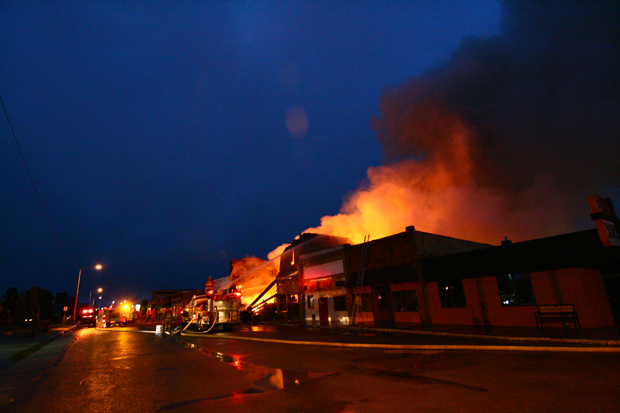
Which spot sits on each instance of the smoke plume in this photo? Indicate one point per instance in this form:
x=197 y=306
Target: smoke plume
x=506 y=138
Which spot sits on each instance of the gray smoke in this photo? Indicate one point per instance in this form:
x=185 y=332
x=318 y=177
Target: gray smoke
x=540 y=102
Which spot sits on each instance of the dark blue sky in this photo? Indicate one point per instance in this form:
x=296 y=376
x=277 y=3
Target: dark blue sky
x=166 y=138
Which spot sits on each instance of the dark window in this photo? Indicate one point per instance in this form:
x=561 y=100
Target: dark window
x=516 y=290
x=451 y=293
x=282 y=302
x=340 y=303
x=310 y=302
x=405 y=300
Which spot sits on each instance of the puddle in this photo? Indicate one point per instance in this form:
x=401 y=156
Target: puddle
x=263 y=379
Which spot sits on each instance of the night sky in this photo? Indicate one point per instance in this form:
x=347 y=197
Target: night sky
x=166 y=138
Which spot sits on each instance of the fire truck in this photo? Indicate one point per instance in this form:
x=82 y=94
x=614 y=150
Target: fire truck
x=108 y=317
x=114 y=317
x=213 y=309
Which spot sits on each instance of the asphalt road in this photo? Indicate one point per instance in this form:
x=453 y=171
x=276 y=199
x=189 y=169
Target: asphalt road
x=124 y=370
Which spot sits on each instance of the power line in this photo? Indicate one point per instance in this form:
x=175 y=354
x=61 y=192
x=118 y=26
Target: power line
x=21 y=154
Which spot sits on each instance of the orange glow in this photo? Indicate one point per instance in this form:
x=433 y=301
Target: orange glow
x=255 y=274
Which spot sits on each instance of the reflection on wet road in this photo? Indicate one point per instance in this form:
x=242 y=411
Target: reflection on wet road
x=263 y=378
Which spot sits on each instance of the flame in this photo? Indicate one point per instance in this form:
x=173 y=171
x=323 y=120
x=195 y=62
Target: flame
x=256 y=274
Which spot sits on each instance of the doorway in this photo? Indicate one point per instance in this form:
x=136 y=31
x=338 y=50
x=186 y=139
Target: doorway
x=323 y=312
x=382 y=306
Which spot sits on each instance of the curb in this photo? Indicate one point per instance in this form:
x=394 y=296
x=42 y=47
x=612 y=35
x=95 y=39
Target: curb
x=575 y=341
x=427 y=347
x=608 y=346
x=519 y=339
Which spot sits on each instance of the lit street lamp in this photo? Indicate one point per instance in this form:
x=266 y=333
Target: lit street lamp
x=97 y=267
x=99 y=290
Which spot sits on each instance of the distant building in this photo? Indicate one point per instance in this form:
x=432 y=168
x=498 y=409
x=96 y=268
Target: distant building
x=169 y=298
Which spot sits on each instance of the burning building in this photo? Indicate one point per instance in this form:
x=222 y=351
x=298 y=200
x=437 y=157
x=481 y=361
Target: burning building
x=289 y=280
x=360 y=284
x=252 y=276
x=504 y=138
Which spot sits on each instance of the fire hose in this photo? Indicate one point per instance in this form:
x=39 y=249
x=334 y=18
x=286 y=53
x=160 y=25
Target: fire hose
x=214 y=316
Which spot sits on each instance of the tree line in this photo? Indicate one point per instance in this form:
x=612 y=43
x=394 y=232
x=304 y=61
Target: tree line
x=32 y=306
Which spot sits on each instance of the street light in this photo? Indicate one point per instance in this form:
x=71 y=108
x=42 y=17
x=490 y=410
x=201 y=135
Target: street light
x=99 y=290
x=97 y=267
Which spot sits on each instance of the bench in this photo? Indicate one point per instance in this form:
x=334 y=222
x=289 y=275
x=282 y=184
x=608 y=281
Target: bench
x=561 y=312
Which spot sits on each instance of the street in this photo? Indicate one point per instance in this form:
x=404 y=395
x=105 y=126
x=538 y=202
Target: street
x=139 y=371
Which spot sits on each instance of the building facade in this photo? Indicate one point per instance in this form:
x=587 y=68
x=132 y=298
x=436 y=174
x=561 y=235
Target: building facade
x=503 y=285
x=376 y=283
x=415 y=278
x=289 y=281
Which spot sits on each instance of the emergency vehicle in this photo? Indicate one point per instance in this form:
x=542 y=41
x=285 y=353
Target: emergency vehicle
x=87 y=316
x=213 y=309
x=112 y=317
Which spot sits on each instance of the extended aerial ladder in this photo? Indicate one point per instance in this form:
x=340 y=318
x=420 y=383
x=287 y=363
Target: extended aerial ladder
x=357 y=295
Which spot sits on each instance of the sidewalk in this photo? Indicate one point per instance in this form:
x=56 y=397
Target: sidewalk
x=17 y=345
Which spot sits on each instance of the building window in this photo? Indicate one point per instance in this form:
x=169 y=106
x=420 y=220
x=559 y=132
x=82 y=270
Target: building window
x=451 y=293
x=310 y=302
x=405 y=300
x=340 y=303
x=516 y=290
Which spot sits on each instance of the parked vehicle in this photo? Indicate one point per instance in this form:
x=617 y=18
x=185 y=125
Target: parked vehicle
x=87 y=316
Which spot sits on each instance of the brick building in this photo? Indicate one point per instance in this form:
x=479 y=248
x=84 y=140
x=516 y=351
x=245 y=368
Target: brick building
x=390 y=268
x=416 y=278
x=503 y=285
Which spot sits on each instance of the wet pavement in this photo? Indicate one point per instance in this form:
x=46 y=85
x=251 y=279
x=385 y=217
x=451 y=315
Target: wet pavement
x=285 y=369
x=14 y=347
